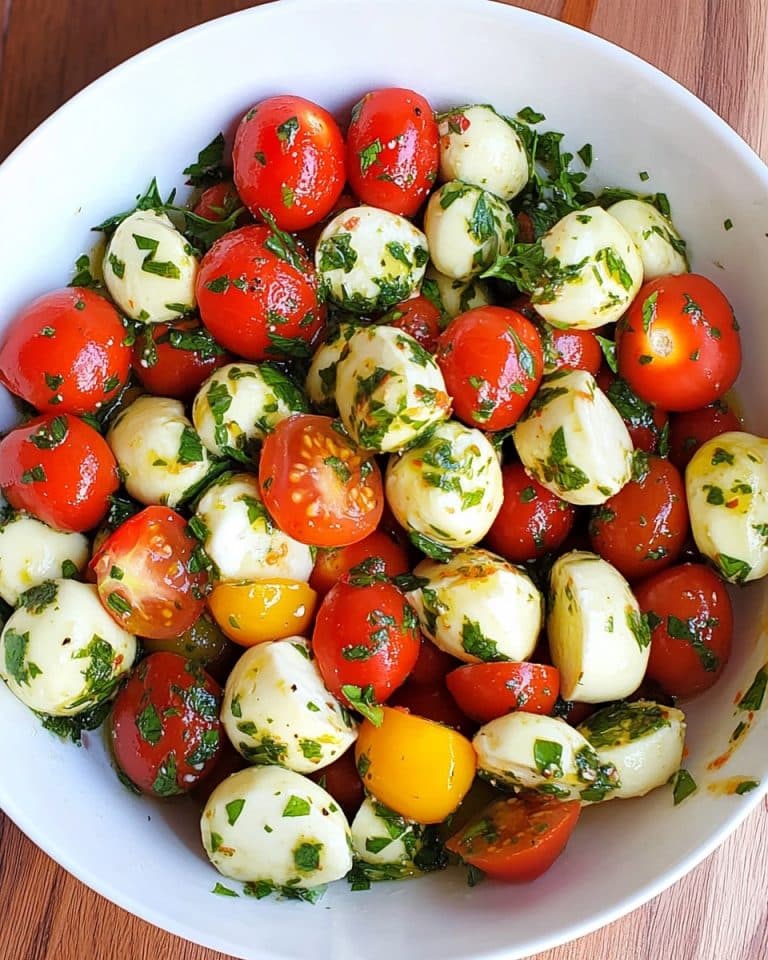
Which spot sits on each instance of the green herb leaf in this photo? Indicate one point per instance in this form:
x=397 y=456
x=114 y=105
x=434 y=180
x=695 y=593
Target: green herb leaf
x=208 y=168
x=296 y=807
x=234 y=808
x=683 y=785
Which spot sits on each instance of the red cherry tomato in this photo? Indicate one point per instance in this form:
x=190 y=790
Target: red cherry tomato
x=317 y=485
x=393 y=150
x=378 y=550
x=571 y=350
x=256 y=302
x=689 y=430
x=143 y=576
x=492 y=360
x=434 y=703
x=66 y=352
x=678 y=345
x=289 y=160
x=485 y=691
x=646 y=424
x=643 y=527
x=532 y=521
x=418 y=317
x=218 y=202
x=518 y=838
x=431 y=665
x=173 y=360
x=691 y=616
x=59 y=469
x=343 y=782
x=365 y=641
x=165 y=728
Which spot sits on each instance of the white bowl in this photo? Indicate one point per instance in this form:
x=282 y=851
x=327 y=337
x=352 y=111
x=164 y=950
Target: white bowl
x=149 y=117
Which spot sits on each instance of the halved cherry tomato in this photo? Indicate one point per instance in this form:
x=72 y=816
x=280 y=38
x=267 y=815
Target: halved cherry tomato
x=319 y=487
x=379 y=549
x=218 y=202
x=492 y=360
x=393 y=150
x=343 y=782
x=485 y=691
x=59 y=469
x=165 y=729
x=173 y=360
x=678 y=345
x=532 y=521
x=258 y=295
x=643 y=527
x=517 y=839
x=66 y=352
x=431 y=665
x=261 y=610
x=688 y=431
x=570 y=349
x=691 y=617
x=418 y=317
x=143 y=574
x=289 y=160
x=433 y=703
x=646 y=424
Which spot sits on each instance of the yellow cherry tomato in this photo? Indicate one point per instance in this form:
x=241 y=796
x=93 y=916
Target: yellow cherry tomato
x=419 y=768
x=260 y=610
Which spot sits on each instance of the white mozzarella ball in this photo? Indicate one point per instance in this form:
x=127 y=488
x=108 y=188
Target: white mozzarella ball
x=467 y=228
x=660 y=246
x=385 y=841
x=150 y=268
x=448 y=487
x=158 y=451
x=240 y=537
x=726 y=485
x=240 y=403
x=272 y=826
x=31 y=552
x=276 y=708
x=452 y=297
x=60 y=652
x=321 y=376
x=643 y=740
x=478 y=607
x=480 y=147
x=573 y=441
x=598 y=638
x=598 y=272
x=525 y=750
x=370 y=259
x=388 y=389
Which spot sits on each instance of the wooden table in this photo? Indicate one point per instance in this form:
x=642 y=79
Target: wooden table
x=49 y=49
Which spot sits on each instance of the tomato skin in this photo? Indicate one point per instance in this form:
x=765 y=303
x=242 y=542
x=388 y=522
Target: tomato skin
x=251 y=612
x=319 y=488
x=485 y=691
x=365 y=636
x=492 y=361
x=644 y=422
x=517 y=839
x=203 y=643
x=343 y=782
x=393 y=150
x=288 y=159
x=176 y=371
x=65 y=483
x=433 y=703
x=418 y=317
x=572 y=350
x=218 y=202
x=431 y=666
x=332 y=562
x=684 y=601
x=678 y=345
x=65 y=352
x=689 y=430
x=166 y=716
x=243 y=288
x=532 y=520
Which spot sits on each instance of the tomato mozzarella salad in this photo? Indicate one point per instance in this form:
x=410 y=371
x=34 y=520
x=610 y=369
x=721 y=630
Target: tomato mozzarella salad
x=384 y=497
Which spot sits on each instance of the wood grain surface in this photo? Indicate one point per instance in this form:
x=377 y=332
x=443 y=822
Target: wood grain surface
x=49 y=49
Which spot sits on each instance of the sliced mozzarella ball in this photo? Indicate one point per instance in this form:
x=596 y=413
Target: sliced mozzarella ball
x=276 y=708
x=478 y=607
x=643 y=740
x=573 y=440
x=598 y=271
x=272 y=826
x=150 y=268
x=370 y=259
x=388 y=389
x=31 y=552
x=321 y=376
x=480 y=147
x=452 y=297
x=385 y=840
x=525 y=750
x=726 y=485
x=448 y=487
x=660 y=246
x=598 y=638
x=467 y=228
x=60 y=652
x=160 y=455
x=240 y=403
x=240 y=538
